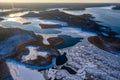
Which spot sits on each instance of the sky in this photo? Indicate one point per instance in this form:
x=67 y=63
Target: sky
x=66 y=1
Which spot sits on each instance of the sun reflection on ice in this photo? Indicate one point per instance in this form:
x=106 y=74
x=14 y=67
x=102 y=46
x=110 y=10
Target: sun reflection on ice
x=18 y=19
x=19 y=14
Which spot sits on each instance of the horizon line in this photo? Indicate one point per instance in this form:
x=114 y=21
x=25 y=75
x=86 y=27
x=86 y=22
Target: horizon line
x=62 y=2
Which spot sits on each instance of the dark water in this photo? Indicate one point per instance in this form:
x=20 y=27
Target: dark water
x=68 y=41
x=69 y=69
x=60 y=60
x=49 y=31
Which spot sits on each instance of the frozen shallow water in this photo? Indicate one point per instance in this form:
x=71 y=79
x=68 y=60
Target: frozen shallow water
x=34 y=53
x=106 y=15
x=20 y=72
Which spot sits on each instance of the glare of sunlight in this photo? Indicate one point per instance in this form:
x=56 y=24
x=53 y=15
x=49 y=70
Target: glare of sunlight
x=18 y=14
x=18 y=19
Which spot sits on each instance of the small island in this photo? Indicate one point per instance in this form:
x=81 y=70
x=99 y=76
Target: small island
x=1 y=19
x=106 y=43
x=44 y=26
x=117 y=7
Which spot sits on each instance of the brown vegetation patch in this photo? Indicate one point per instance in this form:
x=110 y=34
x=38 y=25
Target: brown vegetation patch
x=106 y=43
x=44 y=26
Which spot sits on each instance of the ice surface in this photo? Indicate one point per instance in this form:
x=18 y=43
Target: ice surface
x=34 y=53
x=106 y=15
x=20 y=72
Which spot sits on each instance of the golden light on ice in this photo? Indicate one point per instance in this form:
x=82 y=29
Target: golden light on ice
x=18 y=19
x=19 y=14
